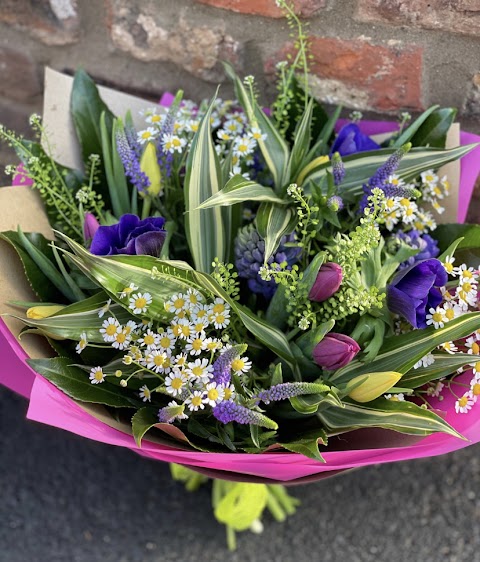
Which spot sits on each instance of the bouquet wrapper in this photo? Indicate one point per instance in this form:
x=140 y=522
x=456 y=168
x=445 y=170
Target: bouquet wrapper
x=50 y=406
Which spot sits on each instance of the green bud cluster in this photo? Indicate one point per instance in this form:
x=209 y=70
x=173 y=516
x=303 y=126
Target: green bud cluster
x=227 y=278
x=348 y=301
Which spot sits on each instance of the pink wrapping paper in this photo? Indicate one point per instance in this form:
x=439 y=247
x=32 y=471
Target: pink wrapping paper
x=50 y=406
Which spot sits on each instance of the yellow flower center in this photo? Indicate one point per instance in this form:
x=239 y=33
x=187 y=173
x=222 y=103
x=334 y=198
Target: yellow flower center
x=238 y=364
x=121 y=337
x=197 y=344
x=140 y=302
x=165 y=341
x=228 y=394
x=159 y=360
x=149 y=339
x=463 y=401
x=177 y=383
x=196 y=400
x=111 y=330
x=179 y=303
x=448 y=267
x=467 y=287
x=155 y=118
x=176 y=330
x=437 y=317
x=185 y=330
x=220 y=319
x=197 y=371
x=477 y=367
x=475 y=348
x=199 y=327
x=212 y=394
x=476 y=389
x=450 y=313
x=219 y=308
x=146 y=135
x=467 y=274
x=98 y=375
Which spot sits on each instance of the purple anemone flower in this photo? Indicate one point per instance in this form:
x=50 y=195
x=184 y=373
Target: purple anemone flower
x=130 y=236
x=351 y=140
x=415 y=290
x=428 y=247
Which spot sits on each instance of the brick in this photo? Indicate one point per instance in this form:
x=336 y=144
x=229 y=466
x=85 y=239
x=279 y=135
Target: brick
x=54 y=22
x=457 y=16
x=135 y=29
x=20 y=80
x=381 y=77
x=267 y=8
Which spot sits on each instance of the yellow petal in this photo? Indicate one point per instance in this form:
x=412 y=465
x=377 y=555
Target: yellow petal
x=43 y=311
x=149 y=166
x=373 y=385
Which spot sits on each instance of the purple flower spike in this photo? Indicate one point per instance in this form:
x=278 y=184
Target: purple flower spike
x=222 y=366
x=351 y=140
x=287 y=390
x=130 y=236
x=416 y=289
x=229 y=411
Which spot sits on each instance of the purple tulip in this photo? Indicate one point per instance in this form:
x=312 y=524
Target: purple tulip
x=416 y=289
x=90 y=226
x=335 y=351
x=351 y=140
x=329 y=278
x=130 y=236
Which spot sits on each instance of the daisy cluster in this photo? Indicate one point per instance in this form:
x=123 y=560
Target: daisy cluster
x=459 y=297
x=233 y=134
x=185 y=360
x=405 y=212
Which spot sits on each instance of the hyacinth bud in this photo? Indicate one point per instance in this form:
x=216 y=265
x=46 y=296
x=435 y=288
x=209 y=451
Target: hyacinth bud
x=338 y=168
x=329 y=278
x=335 y=203
x=373 y=385
x=149 y=166
x=90 y=226
x=335 y=351
x=39 y=312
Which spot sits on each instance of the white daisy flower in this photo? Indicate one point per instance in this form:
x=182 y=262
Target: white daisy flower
x=186 y=329
x=147 y=135
x=196 y=401
x=121 y=341
x=436 y=316
x=465 y=403
x=173 y=143
x=429 y=177
x=193 y=298
x=176 y=304
x=425 y=361
x=155 y=119
x=200 y=370
x=166 y=341
x=221 y=320
x=96 y=375
x=145 y=393
x=214 y=393
x=467 y=273
x=213 y=344
x=150 y=339
x=233 y=127
x=475 y=387
x=244 y=145
x=449 y=347
x=241 y=365
x=130 y=328
x=257 y=134
x=139 y=302
x=110 y=327
x=156 y=360
x=449 y=267
x=105 y=308
x=175 y=383
x=179 y=362
x=451 y=311
x=400 y=397
x=228 y=392
x=224 y=135
x=127 y=291
x=195 y=344
x=472 y=346
x=200 y=312
x=82 y=344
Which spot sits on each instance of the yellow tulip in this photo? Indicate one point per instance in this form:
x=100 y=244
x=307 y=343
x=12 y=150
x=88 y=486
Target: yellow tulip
x=149 y=166
x=373 y=385
x=43 y=311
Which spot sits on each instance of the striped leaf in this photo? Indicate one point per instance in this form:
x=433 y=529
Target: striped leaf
x=114 y=273
x=400 y=353
x=208 y=230
x=443 y=366
x=404 y=417
x=360 y=167
x=301 y=143
x=239 y=190
x=274 y=221
x=274 y=149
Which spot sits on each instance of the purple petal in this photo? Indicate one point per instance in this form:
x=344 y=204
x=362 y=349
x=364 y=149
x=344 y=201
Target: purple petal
x=150 y=243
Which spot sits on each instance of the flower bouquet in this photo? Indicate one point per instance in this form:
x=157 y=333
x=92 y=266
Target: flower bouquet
x=240 y=291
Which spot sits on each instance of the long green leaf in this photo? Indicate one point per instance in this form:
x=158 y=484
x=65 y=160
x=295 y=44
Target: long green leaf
x=273 y=222
x=400 y=353
x=404 y=417
x=443 y=366
x=75 y=382
x=274 y=148
x=239 y=190
x=208 y=230
x=433 y=132
x=301 y=143
x=408 y=133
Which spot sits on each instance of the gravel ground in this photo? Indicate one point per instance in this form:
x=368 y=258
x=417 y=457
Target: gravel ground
x=67 y=499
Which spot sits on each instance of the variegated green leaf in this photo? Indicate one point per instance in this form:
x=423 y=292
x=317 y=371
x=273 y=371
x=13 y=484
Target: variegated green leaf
x=208 y=230
x=404 y=417
x=301 y=143
x=400 y=353
x=444 y=365
x=239 y=190
x=274 y=149
x=360 y=167
x=274 y=221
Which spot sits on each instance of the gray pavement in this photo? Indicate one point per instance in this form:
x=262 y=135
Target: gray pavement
x=67 y=499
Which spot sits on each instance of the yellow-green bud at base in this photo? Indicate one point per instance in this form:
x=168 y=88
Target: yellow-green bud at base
x=39 y=312
x=149 y=166
x=373 y=385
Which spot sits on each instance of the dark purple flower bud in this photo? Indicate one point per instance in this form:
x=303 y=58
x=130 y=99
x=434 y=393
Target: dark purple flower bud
x=416 y=289
x=130 y=236
x=351 y=140
x=335 y=351
x=90 y=226
x=329 y=278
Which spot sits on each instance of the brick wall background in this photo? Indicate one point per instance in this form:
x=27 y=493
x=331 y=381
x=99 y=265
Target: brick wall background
x=378 y=56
